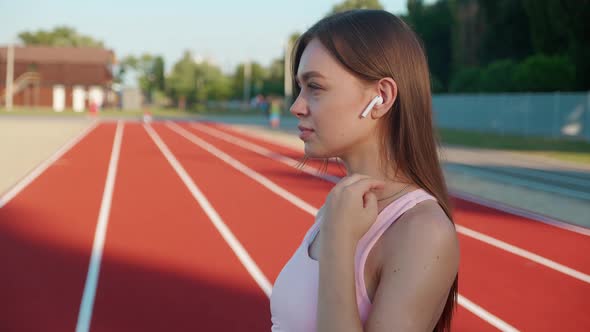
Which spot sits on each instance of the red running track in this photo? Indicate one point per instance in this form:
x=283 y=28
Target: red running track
x=46 y=235
x=514 y=288
x=165 y=266
x=276 y=223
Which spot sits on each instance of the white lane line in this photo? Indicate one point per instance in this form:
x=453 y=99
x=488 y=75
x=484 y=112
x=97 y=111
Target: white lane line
x=265 y=152
x=461 y=229
x=87 y=304
x=485 y=315
x=22 y=184
x=222 y=228
x=465 y=196
x=524 y=253
x=244 y=169
x=477 y=310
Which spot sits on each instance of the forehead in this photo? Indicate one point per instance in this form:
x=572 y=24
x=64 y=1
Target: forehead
x=316 y=57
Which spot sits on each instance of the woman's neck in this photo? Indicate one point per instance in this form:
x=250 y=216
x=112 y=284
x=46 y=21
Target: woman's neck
x=367 y=161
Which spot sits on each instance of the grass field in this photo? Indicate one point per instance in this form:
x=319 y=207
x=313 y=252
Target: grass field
x=562 y=149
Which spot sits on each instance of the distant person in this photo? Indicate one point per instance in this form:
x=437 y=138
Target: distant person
x=147 y=116
x=264 y=105
x=275 y=113
x=93 y=108
x=383 y=253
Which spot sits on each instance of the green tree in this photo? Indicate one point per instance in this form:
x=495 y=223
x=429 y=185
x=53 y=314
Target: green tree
x=541 y=73
x=549 y=26
x=466 y=80
x=468 y=27
x=181 y=84
x=193 y=82
x=219 y=85
x=506 y=34
x=157 y=69
x=257 y=76
x=274 y=83
x=498 y=76
x=149 y=70
x=59 y=36
x=510 y=45
x=355 y=4
x=211 y=83
x=560 y=27
x=488 y=30
x=433 y=23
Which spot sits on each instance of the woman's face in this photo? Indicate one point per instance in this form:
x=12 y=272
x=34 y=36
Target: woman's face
x=330 y=103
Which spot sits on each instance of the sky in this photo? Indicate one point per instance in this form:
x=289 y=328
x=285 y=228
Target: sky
x=228 y=32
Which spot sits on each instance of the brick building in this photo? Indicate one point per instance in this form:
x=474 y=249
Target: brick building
x=59 y=77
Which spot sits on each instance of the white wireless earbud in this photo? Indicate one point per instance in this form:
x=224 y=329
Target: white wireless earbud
x=378 y=100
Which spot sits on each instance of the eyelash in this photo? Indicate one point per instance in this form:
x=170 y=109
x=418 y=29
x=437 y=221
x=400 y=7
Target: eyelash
x=311 y=86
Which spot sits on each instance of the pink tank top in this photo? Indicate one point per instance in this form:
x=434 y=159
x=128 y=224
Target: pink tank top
x=293 y=301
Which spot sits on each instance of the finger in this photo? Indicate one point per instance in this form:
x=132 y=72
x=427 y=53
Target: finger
x=363 y=186
x=370 y=201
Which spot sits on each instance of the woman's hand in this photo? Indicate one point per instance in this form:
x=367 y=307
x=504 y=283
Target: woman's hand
x=351 y=208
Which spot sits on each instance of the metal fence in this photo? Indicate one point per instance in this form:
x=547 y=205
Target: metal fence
x=556 y=115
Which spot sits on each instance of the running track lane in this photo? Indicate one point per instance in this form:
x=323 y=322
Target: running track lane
x=280 y=226
x=269 y=228
x=46 y=234
x=165 y=267
x=557 y=244
x=333 y=167
x=509 y=286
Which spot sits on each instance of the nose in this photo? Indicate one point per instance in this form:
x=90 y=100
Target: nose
x=299 y=107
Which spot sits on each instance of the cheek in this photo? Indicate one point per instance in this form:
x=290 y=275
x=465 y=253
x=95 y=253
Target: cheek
x=336 y=115
x=328 y=117
x=339 y=116
x=336 y=125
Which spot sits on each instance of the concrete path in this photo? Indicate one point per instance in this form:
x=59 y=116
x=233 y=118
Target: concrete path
x=25 y=142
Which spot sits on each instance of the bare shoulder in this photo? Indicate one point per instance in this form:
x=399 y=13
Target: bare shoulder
x=418 y=262
x=425 y=228
x=426 y=214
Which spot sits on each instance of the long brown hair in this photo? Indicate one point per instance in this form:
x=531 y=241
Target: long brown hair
x=373 y=44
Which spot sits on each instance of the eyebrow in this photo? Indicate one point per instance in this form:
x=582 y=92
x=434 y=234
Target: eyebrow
x=309 y=74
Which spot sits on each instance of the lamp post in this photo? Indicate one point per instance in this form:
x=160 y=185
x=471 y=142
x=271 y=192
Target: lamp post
x=9 y=75
x=247 y=76
x=288 y=78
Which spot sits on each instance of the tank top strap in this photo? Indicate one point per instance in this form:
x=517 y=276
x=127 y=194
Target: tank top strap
x=385 y=219
x=390 y=214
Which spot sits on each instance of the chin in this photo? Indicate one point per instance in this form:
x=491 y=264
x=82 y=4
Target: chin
x=317 y=153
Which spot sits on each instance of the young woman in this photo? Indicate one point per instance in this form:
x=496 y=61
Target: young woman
x=383 y=253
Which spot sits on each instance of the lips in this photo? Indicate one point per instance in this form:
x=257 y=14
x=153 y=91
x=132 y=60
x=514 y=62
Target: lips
x=306 y=132
x=303 y=128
